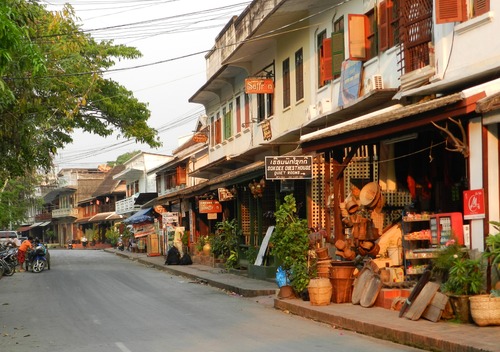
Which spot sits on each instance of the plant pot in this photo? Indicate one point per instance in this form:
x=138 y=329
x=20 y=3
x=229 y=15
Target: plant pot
x=461 y=308
x=207 y=248
x=320 y=291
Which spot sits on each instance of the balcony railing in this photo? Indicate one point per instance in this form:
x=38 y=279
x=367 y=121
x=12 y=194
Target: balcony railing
x=65 y=212
x=127 y=205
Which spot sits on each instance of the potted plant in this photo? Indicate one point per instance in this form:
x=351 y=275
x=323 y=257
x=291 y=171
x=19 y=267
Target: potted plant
x=290 y=244
x=224 y=243
x=485 y=309
x=465 y=278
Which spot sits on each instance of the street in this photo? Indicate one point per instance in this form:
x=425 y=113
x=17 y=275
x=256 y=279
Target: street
x=94 y=301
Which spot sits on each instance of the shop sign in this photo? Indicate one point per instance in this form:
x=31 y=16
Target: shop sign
x=169 y=217
x=200 y=138
x=209 y=206
x=212 y=216
x=474 y=204
x=259 y=86
x=350 y=82
x=266 y=130
x=224 y=194
x=288 y=167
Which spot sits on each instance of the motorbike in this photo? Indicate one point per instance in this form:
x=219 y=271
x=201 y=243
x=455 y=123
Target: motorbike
x=8 y=261
x=120 y=245
x=38 y=259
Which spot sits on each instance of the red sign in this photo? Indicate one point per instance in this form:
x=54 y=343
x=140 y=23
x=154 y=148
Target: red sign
x=259 y=86
x=474 y=204
x=200 y=138
x=209 y=206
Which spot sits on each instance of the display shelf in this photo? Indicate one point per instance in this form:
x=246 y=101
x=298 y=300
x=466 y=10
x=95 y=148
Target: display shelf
x=418 y=251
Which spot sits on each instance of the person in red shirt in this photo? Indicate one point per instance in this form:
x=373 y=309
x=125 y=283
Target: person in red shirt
x=21 y=252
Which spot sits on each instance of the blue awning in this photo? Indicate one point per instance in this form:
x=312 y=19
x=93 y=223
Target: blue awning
x=140 y=216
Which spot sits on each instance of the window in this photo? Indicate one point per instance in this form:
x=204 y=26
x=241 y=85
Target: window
x=320 y=55
x=456 y=10
x=286 y=83
x=371 y=35
x=228 y=119
x=359 y=46
x=338 y=48
x=238 y=114
x=299 y=75
x=388 y=24
x=247 y=110
x=416 y=26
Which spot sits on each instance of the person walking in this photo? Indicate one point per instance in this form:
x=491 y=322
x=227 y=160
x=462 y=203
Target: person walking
x=178 y=234
x=21 y=252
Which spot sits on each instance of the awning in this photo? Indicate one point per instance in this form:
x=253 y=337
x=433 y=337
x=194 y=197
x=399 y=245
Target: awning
x=140 y=216
x=44 y=223
x=143 y=234
x=82 y=220
x=24 y=228
x=36 y=224
x=108 y=216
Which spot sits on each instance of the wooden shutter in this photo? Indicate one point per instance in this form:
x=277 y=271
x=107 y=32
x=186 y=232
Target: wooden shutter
x=450 y=11
x=327 y=69
x=358 y=41
x=383 y=26
x=338 y=52
x=481 y=7
x=181 y=175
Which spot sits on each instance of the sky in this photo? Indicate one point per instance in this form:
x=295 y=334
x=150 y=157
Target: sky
x=173 y=36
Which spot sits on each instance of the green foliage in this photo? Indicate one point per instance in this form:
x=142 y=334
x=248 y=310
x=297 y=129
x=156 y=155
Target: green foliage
x=445 y=260
x=465 y=277
x=225 y=241
x=493 y=245
x=290 y=243
x=15 y=200
x=251 y=254
x=52 y=82
x=112 y=235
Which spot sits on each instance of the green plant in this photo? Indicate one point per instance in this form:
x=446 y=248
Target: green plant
x=224 y=242
x=465 y=277
x=290 y=243
x=445 y=260
x=112 y=234
x=251 y=254
x=493 y=245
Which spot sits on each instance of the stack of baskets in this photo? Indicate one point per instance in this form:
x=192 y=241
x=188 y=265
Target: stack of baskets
x=323 y=263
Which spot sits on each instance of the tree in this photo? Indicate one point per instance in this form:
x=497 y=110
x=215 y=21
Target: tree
x=52 y=82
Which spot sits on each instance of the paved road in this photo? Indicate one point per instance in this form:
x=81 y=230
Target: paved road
x=94 y=301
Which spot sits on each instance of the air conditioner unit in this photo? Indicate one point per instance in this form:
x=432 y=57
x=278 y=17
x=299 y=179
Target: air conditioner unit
x=311 y=112
x=324 y=106
x=375 y=82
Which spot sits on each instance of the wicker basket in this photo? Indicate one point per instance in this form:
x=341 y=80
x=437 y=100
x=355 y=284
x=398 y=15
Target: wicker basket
x=320 y=291
x=485 y=310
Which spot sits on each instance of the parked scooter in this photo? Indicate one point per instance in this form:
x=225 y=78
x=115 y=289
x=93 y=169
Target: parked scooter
x=120 y=244
x=38 y=258
x=8 y=261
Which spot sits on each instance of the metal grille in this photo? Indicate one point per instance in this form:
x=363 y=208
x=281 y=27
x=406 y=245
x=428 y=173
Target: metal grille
x=362 y=166
x=318 y=209
x=245 y=218
x=416 y=34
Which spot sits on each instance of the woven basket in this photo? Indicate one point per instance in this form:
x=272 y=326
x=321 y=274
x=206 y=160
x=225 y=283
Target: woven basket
x=320 y=291
x=485 y=310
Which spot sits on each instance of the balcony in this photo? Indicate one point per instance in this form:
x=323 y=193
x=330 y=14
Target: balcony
x=127 y=205
x=65 y=213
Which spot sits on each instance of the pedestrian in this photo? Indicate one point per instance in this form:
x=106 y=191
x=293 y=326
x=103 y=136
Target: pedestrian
x=21 y=252
x=178 y=234
x=84 y=241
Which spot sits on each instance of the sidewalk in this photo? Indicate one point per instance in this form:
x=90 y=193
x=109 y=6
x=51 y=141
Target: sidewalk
x=376 y=322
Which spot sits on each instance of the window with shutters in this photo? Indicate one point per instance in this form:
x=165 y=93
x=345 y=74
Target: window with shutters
x=238 y=114
x=371 y=35
x=416 y=33
x=228 y=121
x=286 y=83
x=218 y=129
x=299 y=75
x=460 y=10
x=338 y=47
x=388 y=24
x=359 y=46
x=320 y=38
x=247 y=110
x=181 y=175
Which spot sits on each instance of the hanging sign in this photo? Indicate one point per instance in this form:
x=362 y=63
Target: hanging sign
x=288 y=167
x=200 y=138
x=209 y=206
x=259 y=86
x=224 y=194
x=267 y=134
x=474 y=204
